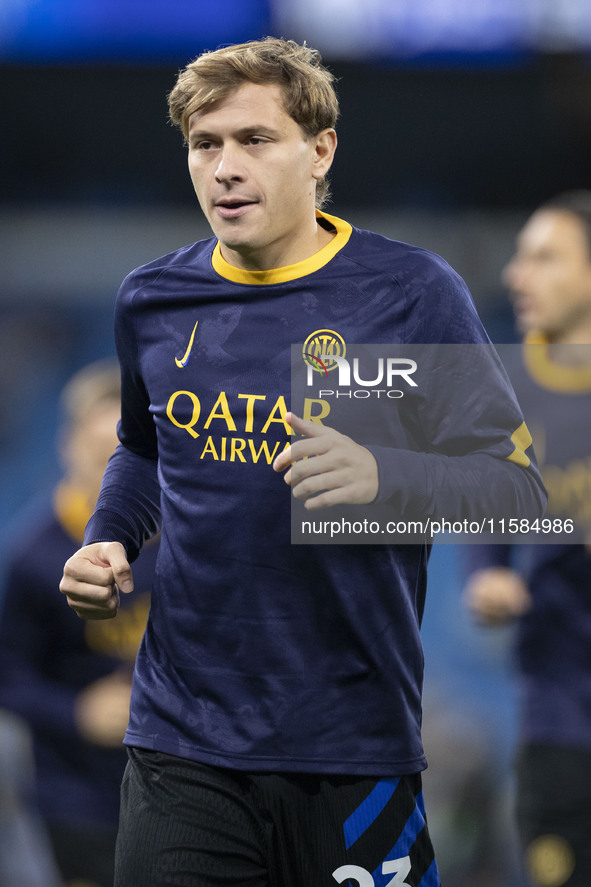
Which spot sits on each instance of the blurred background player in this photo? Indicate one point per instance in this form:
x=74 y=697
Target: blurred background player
x=70 y=679
x=26 y=859
x=547 y=587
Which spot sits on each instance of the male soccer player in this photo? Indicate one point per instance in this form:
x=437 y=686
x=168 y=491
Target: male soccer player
x=548 y=586
x=275 y=725
x=70 y=680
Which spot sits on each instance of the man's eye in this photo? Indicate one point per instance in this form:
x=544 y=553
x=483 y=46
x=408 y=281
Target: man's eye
x=204 y=145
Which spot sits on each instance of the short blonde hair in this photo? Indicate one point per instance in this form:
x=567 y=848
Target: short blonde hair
x=94 y=385
x=308 y=87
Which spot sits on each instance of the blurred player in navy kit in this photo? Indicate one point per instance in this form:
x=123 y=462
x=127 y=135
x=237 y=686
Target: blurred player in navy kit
x=26 y=858
x=275 y=718
x=71 y=680
x=548 y=587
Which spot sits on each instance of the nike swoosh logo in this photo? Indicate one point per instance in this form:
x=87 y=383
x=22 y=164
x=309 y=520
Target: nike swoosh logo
x=185 y=358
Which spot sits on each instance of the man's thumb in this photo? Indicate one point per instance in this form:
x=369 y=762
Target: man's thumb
x=121 y=570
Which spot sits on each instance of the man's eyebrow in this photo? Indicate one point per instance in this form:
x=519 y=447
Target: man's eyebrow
x=251 y=129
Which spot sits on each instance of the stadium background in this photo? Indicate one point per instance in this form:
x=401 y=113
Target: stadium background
x=457 y=119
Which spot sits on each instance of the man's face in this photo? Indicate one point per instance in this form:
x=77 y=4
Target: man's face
x=88 y=447
x=549 y=277
x=254 y=172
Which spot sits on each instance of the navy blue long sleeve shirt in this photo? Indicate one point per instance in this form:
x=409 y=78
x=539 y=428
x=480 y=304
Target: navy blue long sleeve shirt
x=260 y=654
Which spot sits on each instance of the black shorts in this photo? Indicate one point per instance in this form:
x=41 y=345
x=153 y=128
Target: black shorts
x=185 y=824
x=554 y=814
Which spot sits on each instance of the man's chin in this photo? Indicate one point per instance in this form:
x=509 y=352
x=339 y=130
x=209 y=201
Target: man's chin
x=525 y=325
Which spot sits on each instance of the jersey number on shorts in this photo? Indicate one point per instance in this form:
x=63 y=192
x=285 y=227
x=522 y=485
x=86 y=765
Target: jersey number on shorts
x=397 y=867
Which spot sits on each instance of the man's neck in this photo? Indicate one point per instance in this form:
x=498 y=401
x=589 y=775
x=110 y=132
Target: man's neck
x=298 y=251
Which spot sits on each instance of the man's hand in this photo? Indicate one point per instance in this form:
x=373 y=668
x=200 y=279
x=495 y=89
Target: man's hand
x=327 y=468
x=102 y=710
x=497 y=595
x=93 y=578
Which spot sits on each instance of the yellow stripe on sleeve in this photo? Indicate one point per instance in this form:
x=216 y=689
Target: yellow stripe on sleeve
x=521 y=440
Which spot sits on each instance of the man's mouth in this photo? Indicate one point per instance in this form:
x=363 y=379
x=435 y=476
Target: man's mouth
x=231 y=209
x=521 y=306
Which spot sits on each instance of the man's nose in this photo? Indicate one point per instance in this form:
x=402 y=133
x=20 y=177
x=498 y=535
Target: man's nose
x=512 y=274
x=230 y=167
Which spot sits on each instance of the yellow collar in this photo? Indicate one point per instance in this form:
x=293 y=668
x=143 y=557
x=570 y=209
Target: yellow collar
x=72 y=509
x=289 y=272
x=550 y=375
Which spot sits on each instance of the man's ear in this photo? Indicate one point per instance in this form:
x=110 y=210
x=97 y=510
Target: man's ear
x=325 y=145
